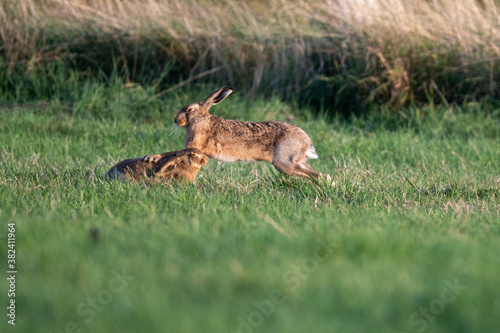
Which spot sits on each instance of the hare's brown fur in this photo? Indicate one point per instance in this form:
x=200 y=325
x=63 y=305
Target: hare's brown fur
x=180 y=164
x=284 y=145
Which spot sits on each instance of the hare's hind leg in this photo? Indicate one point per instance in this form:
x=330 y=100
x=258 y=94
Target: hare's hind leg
x=300 y=169
x=292 y=161
x=306 y=168
x=291 y=169
x=314 y=173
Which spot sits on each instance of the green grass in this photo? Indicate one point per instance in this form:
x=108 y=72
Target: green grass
x=414 y=206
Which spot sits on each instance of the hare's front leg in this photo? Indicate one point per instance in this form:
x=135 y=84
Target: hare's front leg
x=151 y=158
x=158 y=157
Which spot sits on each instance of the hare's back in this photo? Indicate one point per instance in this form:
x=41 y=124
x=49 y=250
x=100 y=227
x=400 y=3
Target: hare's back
x=131 y=168
x=231 y=140
x=266 y=131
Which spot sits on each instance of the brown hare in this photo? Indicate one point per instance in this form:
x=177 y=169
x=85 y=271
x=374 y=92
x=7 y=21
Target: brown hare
x=181 y=164
x=284 y=145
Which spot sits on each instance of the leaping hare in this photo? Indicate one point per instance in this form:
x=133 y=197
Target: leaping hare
x=284 y=145
x=181 y=164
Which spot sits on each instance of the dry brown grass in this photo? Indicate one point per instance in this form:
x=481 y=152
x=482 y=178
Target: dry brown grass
x=357 y=50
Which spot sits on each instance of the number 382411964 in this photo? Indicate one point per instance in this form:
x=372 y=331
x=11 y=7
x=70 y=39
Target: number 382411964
x=11 y=255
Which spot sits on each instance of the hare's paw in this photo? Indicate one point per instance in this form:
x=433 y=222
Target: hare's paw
x=151 y=158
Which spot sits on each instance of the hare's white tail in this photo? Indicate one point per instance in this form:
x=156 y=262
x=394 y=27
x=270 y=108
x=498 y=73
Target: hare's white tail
x=311 y=153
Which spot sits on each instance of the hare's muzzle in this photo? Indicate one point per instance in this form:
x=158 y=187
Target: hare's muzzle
x=180 y=119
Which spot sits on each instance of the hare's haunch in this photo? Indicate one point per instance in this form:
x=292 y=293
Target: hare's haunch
x=284 y=145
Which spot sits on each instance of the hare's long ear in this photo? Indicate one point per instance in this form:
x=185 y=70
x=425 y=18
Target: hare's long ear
x=169 y=166
x=217 y=96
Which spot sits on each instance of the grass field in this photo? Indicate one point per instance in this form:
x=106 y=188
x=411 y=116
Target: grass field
x=405 y=239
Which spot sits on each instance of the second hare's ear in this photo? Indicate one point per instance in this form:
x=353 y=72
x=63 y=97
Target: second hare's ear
x=169 y=166
x=217 y=96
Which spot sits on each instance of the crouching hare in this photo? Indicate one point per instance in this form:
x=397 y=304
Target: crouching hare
x=181 y=164
x=284 y=145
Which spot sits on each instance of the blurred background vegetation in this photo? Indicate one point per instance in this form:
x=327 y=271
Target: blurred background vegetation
x=337 y=56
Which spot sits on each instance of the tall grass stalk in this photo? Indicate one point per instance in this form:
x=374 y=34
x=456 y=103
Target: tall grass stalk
x=338 y=54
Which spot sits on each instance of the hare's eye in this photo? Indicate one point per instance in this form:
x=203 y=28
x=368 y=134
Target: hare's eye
x=190 y=109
